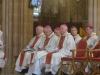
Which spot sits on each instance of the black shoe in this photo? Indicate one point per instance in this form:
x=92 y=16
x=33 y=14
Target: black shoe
x=65 y=74
x=79 y=73
x=24 y=71
x=0 y=69
x=49 y=73
x=33 y=74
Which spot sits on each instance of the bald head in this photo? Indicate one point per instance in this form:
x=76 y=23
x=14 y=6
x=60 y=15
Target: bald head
x=39 y=30
x=63 y=28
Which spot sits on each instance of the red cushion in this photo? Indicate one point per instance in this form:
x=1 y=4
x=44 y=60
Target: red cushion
x=97 y=53
x=95 y=59
x=82 y=45
x=76 y=58
x=66 y=59
x=80 y=58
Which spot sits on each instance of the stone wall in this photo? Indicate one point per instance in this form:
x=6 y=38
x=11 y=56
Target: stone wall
x=0 y=11
x=17 y=22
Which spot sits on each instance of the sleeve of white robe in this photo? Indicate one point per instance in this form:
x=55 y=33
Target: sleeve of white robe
x=42 y=42
x=77 y=39
x=68 y=45
x=96 y=42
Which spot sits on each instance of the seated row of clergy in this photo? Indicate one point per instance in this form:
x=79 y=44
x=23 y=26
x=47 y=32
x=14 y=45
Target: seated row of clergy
x=47 y=49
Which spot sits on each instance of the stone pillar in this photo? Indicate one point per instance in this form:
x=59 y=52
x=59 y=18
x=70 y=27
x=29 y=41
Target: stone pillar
x=17 y=21
x=0 y=11
x=90 y=11
x=98 y=18
x=95 y=15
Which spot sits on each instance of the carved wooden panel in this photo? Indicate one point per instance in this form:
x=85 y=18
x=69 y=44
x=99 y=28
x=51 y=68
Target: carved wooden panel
x=79 y=9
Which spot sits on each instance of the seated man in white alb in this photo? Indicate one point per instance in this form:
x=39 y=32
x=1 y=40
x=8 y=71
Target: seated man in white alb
x=91 y=39
x=65 y=44
x=77 y=38
x=48 y=45
x=91 y=36
x=2 y=54
x=22 y=61
x=75 y=34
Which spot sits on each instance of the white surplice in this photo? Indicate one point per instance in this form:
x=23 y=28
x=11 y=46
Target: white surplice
x=68 y=45
x=91 y=41
x=40 y=55
x=97 y=41
x=28 y=53
x=77 y=38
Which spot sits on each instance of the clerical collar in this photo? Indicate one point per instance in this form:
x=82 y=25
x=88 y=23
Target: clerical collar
x=92 y=34
x=40 y=34
x=65 y=34
x=76 y=35
x=51 y=35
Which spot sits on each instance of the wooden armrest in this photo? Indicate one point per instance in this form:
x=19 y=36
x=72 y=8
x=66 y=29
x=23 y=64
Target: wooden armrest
x=72 y=50
x=94 y=50
x=78 y=50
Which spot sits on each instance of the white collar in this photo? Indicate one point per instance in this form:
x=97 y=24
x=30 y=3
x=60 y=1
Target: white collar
x=92 y=34
x=51 y=35
x=41 y=34
x=76 y=35
x=66 y=34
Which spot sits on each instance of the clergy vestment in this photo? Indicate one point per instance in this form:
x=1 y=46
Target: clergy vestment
x=2 y=54
x=65 y=44
x=22 y=61
x=49 y=43
x=97 y=42
x=77 y=38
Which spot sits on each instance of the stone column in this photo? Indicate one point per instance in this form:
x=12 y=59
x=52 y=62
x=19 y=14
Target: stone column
x=95 y=19
x=0 y=11
x=90 y=11
x=93 y=13
x=98 y=18
x=17 y=21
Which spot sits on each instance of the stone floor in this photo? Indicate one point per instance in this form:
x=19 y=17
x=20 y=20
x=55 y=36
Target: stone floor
x=9 y=70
